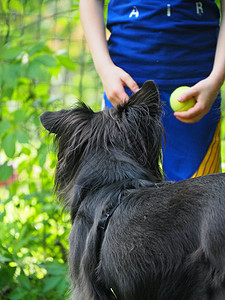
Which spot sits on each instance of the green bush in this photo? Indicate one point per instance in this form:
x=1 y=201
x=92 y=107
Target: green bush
x=43 y=66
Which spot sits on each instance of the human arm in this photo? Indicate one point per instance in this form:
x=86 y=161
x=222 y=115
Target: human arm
x=113 y=78
x=206 y=90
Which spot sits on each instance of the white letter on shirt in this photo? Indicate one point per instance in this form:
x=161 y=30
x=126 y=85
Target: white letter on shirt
x=168 y=10
x=134 y=12
x=199 y=8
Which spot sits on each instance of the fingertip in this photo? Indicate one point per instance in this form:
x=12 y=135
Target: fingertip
x=136 y=89
x=183 y=98
x=132 y=84
x=124 y=97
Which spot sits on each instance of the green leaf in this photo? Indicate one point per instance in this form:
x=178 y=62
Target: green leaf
x=18 y=294
x=42 y=154
x=11 y=53
x=62 y=287
x=24 y=282
x=16 y=5
x=22 y=136
x=4 y=126
x=2 y=216
x=20 y=115
x=7 y=92
x=42 y=89
x=34 y=69
x=42 y=159
x=46 y=60
x=4 y=259
x=5 y=172
x=10 y=74
x=36 y=48
x=6 y=275
x=56 y=268
x=9 y=144
x=26 y=151
x=37 y=121
x=55 y=70
x=4 y=6
x=51 y=283
x=66 y=62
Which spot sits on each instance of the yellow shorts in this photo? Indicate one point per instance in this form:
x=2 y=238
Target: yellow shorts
x=211 y=162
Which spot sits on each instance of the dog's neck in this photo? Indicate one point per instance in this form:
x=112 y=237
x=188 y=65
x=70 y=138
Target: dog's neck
x=104 y=168
x=106 y=173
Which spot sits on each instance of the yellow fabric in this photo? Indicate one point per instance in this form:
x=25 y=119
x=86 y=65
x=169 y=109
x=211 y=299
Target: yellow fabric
x=211 y=162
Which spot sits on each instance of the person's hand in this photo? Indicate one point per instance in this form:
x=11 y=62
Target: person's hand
x=114 y=79
x=205 y=93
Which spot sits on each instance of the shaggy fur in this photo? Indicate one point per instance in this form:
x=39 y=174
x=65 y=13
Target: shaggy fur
x=135 y=237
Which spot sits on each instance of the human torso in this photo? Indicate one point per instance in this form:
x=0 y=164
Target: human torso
x=164 y=40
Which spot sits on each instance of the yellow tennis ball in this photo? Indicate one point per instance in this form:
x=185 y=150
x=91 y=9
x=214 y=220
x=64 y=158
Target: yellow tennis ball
x=181 y=106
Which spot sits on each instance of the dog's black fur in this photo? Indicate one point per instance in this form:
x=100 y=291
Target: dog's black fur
x=162 y=241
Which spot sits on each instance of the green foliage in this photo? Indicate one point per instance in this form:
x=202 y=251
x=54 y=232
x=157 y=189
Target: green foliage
x=42 y=63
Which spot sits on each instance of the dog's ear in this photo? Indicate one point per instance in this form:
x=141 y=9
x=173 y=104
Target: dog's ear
x=58 y=121
x=141 y=119
x=147 y=94
x=51 y=120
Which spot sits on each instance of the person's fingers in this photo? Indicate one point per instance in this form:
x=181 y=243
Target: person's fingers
x=191 y=93
x=114 y=84
x=117 y=95
x=130 y=82
x=194 y=114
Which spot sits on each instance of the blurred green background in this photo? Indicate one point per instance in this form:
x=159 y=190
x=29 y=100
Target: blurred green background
x=44 y=65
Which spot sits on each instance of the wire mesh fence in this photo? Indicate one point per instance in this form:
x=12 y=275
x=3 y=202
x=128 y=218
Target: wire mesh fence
x=55 y=22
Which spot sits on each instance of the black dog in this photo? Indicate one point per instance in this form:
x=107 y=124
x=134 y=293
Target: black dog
x=133 y=236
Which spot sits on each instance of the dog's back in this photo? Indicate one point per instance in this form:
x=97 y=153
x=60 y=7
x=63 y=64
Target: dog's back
x=169 y=241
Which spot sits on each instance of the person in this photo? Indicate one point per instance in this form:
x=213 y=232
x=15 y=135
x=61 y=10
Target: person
x=175 y=43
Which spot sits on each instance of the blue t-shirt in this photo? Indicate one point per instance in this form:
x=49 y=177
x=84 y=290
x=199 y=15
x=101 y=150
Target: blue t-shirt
x=172 y=43
x=163 y=40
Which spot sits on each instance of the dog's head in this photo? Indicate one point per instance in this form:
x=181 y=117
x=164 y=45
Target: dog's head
x=134 y=129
